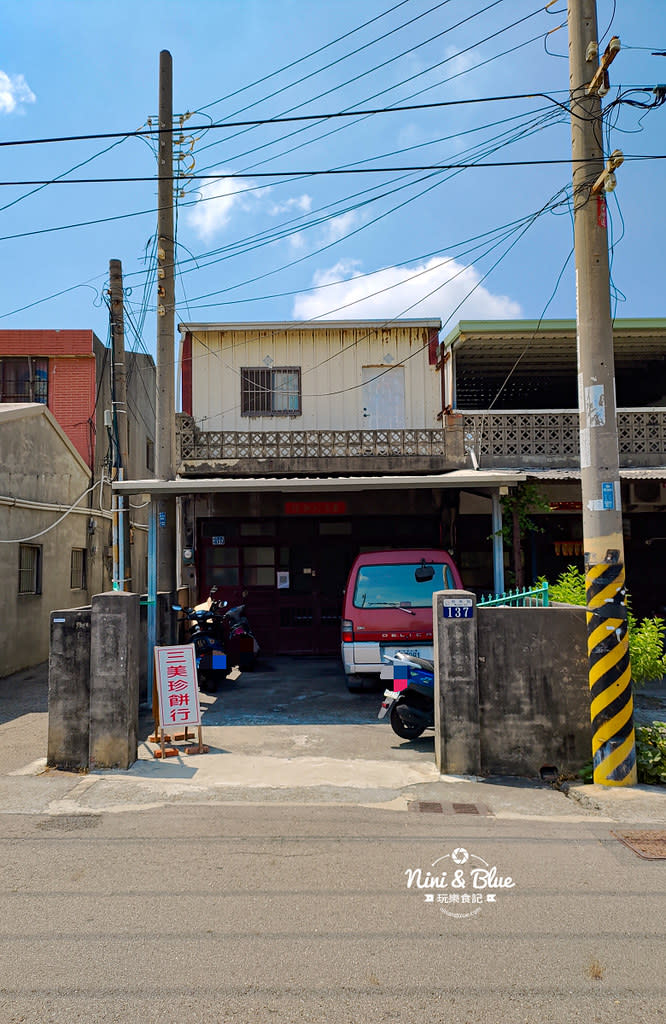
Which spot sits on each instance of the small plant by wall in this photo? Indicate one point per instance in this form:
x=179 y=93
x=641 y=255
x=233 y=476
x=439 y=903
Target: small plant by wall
x=651 y=753
x=646 y=636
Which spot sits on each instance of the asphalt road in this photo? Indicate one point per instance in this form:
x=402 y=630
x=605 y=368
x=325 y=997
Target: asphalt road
x=151 y=897
x=287 y=913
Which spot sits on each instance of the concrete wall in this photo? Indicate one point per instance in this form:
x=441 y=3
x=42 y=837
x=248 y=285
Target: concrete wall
x=69 y=690
x=533 y=689
x=94 y=684
x=40 y=465
x=513 y=694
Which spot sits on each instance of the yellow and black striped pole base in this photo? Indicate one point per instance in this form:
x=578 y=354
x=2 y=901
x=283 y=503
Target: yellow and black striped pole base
x=613 y=741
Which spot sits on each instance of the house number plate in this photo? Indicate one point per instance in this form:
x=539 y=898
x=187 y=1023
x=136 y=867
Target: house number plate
x=457 y=608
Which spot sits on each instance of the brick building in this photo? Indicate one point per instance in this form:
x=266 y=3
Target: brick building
x=69 y=371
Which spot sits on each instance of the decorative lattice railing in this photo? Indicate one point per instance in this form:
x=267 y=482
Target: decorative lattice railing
x=300 y=444
x=541 y=437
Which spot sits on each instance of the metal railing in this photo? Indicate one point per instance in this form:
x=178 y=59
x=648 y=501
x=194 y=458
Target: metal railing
x=529 y=597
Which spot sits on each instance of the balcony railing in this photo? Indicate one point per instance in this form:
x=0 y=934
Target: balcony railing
x=551 y=438
x=215 y=445
x=511 y=439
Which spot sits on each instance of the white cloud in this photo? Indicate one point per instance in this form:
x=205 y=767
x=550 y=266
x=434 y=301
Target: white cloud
x=439 y=288
x=297 y=240
x=217 y=200
x=303 y=204
x=338 y=227
x=221 y=198
x=14 y=90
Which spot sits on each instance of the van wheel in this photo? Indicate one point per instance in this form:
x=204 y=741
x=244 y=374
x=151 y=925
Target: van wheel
x=355 y=683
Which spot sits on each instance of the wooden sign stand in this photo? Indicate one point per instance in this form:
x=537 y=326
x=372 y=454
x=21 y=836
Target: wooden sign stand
x=175 y=687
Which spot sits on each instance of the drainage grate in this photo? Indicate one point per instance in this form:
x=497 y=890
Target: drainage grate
x=425 y=806
x=649 y=844
x=433 y=807
x=465 y=809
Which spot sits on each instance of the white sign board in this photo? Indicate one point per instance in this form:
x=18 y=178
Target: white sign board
x=177 y=686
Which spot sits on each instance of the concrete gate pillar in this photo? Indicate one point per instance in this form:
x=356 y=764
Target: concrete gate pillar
x=69 y=689
x=457 y=719
x=114 y=680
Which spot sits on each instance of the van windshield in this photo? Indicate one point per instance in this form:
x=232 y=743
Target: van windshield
x=394 y=586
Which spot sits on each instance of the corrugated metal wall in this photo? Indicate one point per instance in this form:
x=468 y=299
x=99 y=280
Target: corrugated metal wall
x=331 y=362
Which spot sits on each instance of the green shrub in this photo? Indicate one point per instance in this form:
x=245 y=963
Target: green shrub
x=646 y=637
x=651 y=753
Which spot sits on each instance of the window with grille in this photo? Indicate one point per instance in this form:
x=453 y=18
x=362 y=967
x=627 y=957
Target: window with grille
x=270 y=391
x=30 y=569
x=77 y=572
x=24 y=379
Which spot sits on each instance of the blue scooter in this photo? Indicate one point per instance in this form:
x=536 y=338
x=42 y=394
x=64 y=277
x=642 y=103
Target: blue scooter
x=410 y=705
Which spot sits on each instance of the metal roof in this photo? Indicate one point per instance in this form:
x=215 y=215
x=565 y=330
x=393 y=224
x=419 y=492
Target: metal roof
x=488 y=478
x=309 y=325
x=635 y=473
x=547 y=344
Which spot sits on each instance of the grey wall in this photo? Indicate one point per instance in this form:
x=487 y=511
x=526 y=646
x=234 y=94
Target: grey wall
x=533 y=689
x=40 y=466
x=513 y=693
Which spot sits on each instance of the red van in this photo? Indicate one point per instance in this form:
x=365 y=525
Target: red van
x=387 y=608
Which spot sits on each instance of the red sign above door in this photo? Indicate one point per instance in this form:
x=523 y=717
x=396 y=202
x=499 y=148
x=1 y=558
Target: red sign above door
x=315 y=508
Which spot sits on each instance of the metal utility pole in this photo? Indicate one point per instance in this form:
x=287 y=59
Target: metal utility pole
x=165 y=406
x=613 y=743
x=122 y=564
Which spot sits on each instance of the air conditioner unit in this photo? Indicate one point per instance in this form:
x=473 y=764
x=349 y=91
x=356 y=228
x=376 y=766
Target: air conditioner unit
x=647 y=493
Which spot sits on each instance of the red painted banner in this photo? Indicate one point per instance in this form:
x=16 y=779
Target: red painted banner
x=315 y=508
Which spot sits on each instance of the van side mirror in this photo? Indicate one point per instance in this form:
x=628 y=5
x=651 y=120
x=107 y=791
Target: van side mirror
x=424 y=573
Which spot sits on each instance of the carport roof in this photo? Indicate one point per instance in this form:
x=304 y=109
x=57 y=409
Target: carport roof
x=483 y=478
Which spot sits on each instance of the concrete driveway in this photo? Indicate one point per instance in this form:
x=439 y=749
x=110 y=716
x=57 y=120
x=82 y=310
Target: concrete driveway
x=300 y=707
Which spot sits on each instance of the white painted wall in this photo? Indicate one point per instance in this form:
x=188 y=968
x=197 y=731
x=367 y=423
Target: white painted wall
x=331 y=358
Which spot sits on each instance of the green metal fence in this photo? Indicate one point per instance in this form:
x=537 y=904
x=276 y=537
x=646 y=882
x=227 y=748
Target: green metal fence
x=530 y=597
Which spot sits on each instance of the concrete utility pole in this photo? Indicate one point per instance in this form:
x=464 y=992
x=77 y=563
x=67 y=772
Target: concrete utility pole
x=122 y=564
x=165 y=406
x=613 y=743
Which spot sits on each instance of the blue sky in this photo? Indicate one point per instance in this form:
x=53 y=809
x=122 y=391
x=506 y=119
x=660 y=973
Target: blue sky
x=282 y=244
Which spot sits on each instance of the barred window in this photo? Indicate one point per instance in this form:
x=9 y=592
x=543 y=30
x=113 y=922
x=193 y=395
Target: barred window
x=24 y=379
x=77 y=572
x=30 y=569
x=270 y=391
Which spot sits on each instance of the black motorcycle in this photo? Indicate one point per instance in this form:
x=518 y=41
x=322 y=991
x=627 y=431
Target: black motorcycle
x=241 y=644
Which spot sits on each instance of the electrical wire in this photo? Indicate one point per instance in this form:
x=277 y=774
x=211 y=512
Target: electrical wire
x=326 y=172
x=300 y=60
x=365 y=73
x=364 y=116
x=519 y=234
x=34 y=536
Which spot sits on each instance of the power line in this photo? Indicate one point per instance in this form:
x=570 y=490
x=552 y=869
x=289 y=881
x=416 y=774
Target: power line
x=372 y=70
x=300 y=60
x=382 y=92
x=283 y=120
x=314 y=173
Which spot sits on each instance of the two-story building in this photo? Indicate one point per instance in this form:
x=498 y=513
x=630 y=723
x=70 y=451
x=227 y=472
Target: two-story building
x=69 y=371
x=48 y=462
x=301 y=444
x=515 y=386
